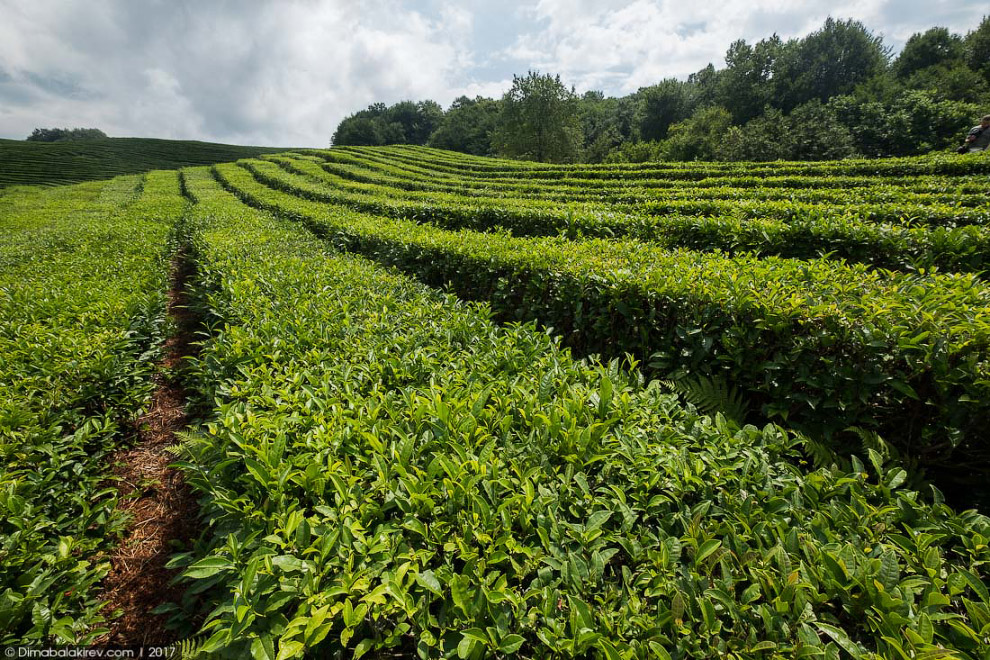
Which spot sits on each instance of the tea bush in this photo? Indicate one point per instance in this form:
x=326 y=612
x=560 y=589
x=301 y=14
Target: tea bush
x=384 y=469
x=821 y=345
x=82 y=288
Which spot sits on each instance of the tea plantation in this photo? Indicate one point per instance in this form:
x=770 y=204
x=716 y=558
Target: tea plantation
x=56 y=163
x=452 y=406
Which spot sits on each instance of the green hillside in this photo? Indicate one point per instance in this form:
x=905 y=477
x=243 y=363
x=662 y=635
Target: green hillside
x=55 y=163
x=403 y=444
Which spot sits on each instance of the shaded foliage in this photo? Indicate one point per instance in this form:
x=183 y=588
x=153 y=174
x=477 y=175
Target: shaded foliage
x=827 y=63
x=746 y=86
x=661 y=105
x=405 y=122
x=606 y=123
x=700 y=137
x=913 y=122
x=978 y=49
x=931 y=48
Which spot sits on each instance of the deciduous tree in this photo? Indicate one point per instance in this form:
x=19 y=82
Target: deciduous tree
x=65 y=134
x=661 y=105
x=467 y=126
x=539 y=120
x=827 y=63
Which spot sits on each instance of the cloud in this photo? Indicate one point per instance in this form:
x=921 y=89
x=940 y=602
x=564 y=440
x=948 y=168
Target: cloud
x=285 y=72
x=256 y=72
x=620 y=45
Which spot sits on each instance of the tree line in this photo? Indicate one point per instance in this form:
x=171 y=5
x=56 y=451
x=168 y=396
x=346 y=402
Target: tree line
x=837 y=92
x=65 y=134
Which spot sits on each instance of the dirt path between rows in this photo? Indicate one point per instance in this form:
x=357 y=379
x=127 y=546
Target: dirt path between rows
x=164 y=510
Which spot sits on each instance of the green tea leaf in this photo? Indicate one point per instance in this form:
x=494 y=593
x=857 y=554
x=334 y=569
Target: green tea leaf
x=208 y=567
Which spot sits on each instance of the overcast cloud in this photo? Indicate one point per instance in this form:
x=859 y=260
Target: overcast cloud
x=284 y=73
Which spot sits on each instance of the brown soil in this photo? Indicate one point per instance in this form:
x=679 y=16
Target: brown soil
x=162 y=507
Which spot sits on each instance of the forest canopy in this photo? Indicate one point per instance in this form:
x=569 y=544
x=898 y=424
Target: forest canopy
x=837 y=92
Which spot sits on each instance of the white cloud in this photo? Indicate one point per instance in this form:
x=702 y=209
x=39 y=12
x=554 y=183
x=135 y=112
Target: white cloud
x=620 y=45
x=285 y=72
x=264 y=73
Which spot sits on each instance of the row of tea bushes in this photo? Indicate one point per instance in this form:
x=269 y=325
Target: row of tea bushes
x=935 y=200
x=897 y=207
x=937 y=164
x=960 y=191
x=403 y=167
x=805 y=236
x=82 y=283
x=822 y=345
x=386 y=471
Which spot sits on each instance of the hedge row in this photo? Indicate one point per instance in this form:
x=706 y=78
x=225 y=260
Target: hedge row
x=820 y=344
x=386 y=470
x=835 y=190
x=805 y=236
x=939 y=164
x=82 y=287
x=939 y=210
x=965 y=189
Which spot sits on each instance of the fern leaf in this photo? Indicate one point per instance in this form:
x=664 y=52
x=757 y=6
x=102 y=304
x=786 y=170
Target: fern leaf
x=185 y=445
x=711 y=395
x=187 y=649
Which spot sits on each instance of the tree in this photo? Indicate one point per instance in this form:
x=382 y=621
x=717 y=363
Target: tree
x=359 y=132
x=605 y=123
x=811 y=132
x=416 y=120
x=405 y=122
x=539 y=120
x=827 y=63
x=760 y=139
x=65 y=134
x=661 y=105
x=927 y=49
x=914 y=122
x=953 y=81
x=746 y=86
x=705 y=84
x=935 y=61
x=977 y=49
x=467 y=126
x=815 y=133
x=698 y=137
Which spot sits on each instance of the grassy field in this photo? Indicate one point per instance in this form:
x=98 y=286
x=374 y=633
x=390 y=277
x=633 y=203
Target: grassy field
x=448 y=406
x=56 y=163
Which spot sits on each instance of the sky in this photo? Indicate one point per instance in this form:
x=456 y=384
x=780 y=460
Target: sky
x=285 y=72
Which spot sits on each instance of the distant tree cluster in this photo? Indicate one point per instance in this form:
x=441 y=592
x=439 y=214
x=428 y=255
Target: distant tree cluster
x=403 y=123
x=468 y=126
x=65 y=134
x=838 y=92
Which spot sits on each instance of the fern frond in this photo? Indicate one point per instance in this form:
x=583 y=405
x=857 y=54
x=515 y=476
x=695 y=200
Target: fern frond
x=711 y=395
x=187 y=649
x=184 y=448
x=822 y=455
x=872 y=440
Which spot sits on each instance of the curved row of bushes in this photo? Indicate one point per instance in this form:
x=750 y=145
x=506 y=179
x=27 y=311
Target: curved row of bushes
x=386 y=470
x=804 y=236
x=820 y=344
